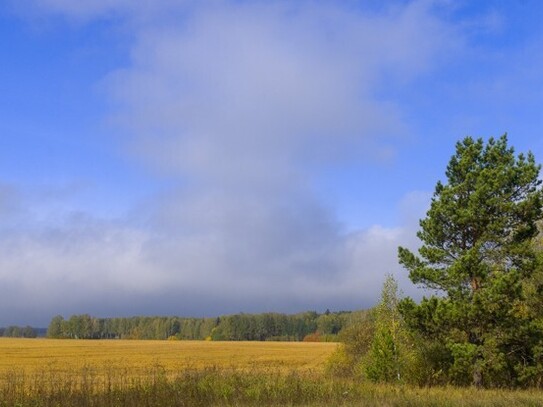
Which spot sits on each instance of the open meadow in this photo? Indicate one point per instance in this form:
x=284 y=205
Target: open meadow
x=137 y=356
x=70 y=373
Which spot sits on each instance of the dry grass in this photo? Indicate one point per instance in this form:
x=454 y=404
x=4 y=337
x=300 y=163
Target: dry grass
x=32 y=355
x=77 y=373
x=224 y=387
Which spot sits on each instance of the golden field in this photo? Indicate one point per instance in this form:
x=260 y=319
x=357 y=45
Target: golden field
x=76 y=373
x=32 y=355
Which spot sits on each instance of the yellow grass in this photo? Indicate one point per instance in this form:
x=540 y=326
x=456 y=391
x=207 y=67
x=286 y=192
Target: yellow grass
x=135 y=356
x=71 y=373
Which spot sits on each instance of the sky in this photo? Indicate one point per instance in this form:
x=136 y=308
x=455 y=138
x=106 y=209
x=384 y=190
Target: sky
x=201 y=158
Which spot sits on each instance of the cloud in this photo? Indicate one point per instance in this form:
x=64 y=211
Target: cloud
x=277 y=83
x=241 y=105
x=107 y=267
x=9 y=200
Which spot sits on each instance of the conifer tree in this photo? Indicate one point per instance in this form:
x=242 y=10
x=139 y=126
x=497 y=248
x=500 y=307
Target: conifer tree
x=478 y=252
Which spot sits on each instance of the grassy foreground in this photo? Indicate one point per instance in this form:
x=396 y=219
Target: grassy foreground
x=137 y=373
x=224 y=387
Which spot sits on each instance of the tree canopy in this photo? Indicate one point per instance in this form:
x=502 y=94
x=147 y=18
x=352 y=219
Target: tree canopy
x=479 y=253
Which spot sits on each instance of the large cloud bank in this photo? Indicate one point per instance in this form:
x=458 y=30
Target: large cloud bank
x=240 y=105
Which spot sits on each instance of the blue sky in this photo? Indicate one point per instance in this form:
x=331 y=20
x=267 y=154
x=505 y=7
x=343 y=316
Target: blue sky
x=201 y=158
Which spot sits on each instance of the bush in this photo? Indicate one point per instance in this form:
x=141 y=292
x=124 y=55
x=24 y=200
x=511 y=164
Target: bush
x=340 y=363
x=314 y=337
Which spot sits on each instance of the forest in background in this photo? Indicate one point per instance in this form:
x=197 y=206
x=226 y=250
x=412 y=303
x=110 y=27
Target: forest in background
x=27 y=331
x=306 y=326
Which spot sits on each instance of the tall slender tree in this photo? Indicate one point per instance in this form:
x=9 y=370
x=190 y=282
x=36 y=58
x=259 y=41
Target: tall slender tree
x=385 y=359
x=478 y=252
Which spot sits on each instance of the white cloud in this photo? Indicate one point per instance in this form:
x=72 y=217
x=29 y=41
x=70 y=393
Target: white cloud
x=244 y=102
x=240 y=104
x=277 y=83
x=197 y=261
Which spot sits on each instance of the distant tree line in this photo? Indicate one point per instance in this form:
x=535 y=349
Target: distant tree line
x=239 y=327
x=19 y=332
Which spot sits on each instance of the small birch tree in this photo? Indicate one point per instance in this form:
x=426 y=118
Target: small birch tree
x=391 y=352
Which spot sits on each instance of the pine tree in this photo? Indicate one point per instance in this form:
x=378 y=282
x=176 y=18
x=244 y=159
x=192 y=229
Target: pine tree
x=478 y=252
